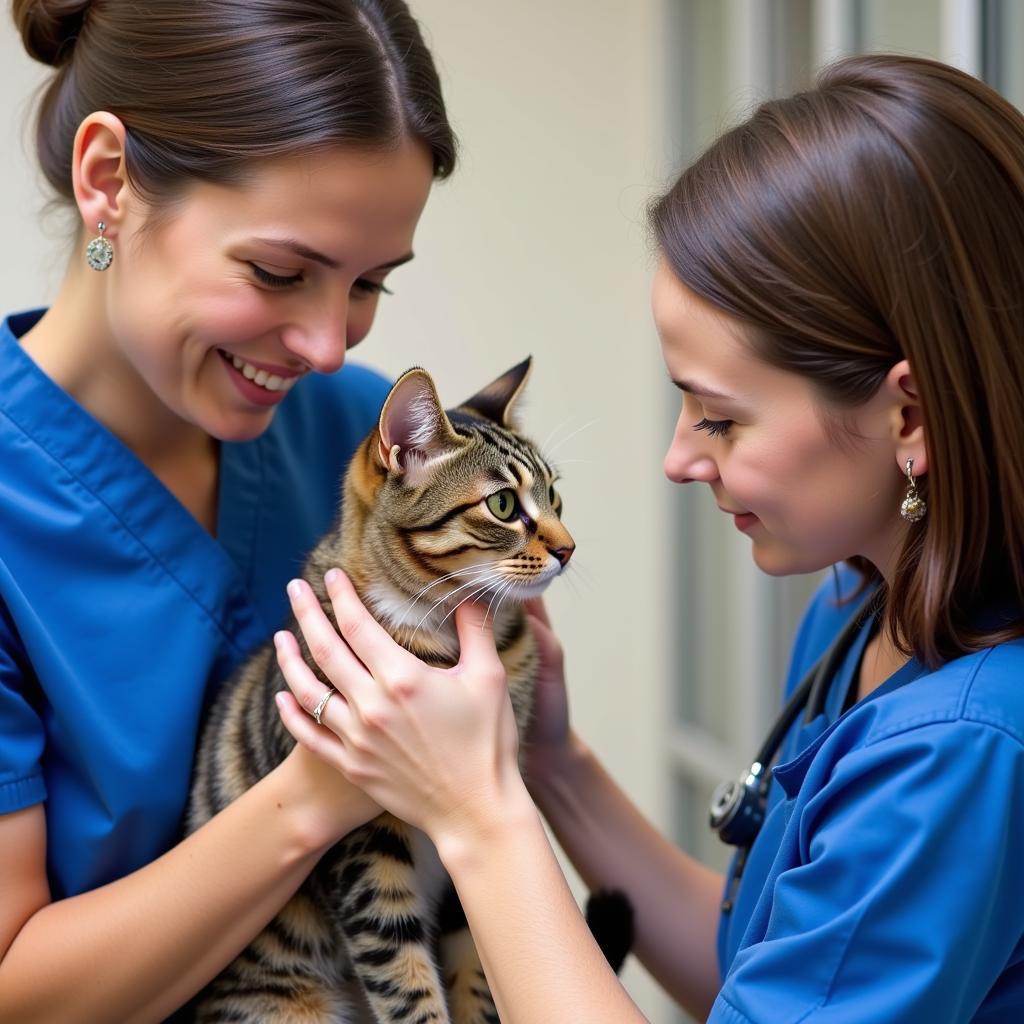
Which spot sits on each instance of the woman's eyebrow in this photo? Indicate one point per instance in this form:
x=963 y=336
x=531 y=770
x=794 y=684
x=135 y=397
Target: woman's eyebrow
x=699 y=389
x=398 y=262
x=300 y=249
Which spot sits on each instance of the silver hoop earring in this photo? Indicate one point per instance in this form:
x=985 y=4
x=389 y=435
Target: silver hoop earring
x=913 y=508
x=99 y=253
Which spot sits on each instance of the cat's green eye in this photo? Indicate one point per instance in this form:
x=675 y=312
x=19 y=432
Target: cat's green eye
x=503 y=504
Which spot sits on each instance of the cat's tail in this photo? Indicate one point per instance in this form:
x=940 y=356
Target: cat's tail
x=610 y=917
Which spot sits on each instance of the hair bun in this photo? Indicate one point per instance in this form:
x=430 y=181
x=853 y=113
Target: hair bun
x=49 y=27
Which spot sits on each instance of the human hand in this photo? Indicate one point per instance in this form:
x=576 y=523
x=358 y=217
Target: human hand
x=330 y=805
x=548 y=738
x=436 y=747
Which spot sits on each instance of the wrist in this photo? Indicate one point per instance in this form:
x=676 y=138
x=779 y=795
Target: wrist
x=465 y=840
x=547 y=765
x=314 y=816
x=557 y=790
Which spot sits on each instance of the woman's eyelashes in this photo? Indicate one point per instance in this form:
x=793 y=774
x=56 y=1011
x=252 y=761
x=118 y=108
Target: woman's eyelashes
x=362 y=284
x=716 y=428
x=369 y=287
x=274 y=280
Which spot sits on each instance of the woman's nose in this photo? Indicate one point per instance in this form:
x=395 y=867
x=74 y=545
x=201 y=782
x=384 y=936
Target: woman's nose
x=321 y=338
x=688 y=458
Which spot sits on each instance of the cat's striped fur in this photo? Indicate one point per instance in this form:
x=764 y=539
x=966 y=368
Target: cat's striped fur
x=376 y=933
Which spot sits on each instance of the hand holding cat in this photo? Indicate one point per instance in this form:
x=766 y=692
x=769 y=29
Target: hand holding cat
x=436 y=747
x=549 y=736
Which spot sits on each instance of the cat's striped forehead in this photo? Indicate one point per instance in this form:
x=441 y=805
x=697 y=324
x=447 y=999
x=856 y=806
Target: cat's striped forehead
x=487 y=459
x=518 y=460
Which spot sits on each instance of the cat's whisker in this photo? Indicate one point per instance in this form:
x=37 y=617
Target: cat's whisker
x=571 y=580
x=550 y=452
x=508 y=590
x=478 y=572
x=579 y=569
x=451 y=575
x=468 y=597
x=585 y=579
x=477 y=578
x=543 y=446
x=490 y=604
x=508 y=593
x=476 y=568
x=447 y=597
x=494 y=596
x=437 y=604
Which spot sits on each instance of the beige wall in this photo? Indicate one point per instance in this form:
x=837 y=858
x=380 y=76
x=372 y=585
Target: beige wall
x=28 y=278
x=536 y=246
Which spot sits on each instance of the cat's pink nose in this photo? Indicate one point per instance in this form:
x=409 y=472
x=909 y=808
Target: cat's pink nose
x=564 y=554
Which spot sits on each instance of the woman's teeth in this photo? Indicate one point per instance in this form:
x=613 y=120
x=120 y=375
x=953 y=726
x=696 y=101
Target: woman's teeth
x=270 y=381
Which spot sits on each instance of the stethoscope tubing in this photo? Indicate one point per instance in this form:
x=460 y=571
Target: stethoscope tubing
x=744 y=803
x=812 y=692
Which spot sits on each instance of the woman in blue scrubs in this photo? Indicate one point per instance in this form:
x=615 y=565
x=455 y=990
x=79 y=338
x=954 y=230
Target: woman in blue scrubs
x=173 y=431
x=840 y=302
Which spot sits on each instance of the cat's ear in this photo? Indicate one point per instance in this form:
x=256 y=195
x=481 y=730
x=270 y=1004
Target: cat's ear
x=413 y=429
x=495 y=401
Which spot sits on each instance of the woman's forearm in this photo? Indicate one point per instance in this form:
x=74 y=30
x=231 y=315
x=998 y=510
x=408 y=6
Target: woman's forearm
x=136 y=949
x=541 y=961
x=675 y=898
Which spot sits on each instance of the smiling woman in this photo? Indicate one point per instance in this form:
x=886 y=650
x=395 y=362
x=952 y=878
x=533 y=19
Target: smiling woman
x=286 y=308
x=755 y=435
x=173 y=432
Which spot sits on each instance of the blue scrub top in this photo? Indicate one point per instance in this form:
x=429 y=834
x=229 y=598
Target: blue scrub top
x=887 y=882
x=118 y=611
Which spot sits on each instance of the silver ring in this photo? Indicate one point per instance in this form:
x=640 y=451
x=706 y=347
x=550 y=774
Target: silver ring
x=319 y=709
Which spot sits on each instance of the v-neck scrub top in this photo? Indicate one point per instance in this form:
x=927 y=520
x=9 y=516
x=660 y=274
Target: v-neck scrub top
x=887 y=882
x=119 y=612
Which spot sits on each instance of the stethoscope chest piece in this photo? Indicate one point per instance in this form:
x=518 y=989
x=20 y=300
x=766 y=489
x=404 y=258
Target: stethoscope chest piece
x=737 y=807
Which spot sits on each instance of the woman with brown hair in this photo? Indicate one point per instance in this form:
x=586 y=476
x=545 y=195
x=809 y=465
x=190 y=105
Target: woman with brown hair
x=840 y=300
x=243 y=174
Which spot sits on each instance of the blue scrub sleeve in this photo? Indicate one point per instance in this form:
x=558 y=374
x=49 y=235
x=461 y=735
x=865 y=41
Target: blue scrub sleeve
x=22 y=737
x=909 y=898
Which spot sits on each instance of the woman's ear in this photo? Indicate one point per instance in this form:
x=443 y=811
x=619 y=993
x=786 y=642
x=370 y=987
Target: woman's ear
x=906 y=418
x=98 y=171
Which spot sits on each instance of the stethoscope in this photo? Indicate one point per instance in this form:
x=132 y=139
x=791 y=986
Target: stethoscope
x=738 y=806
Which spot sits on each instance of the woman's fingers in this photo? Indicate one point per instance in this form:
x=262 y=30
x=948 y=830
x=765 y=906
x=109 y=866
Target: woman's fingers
x=316 y=738
x=297 y=708
x=548 y=647
x=310 y=693
x=476 y=636
x=536 y=609
x=327 y=649
x=368 y=639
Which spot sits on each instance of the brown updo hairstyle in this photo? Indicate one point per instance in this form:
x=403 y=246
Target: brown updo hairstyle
x=206 y=88
x=876 y=217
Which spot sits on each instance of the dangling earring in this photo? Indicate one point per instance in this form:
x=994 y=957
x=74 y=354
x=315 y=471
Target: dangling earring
x=913 y=507
x=99 y=253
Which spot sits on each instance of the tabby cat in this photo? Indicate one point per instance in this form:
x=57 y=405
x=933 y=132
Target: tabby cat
x=438 y=508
